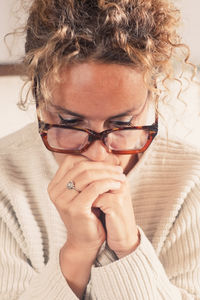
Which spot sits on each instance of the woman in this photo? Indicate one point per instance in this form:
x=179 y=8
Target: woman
x=112 y=210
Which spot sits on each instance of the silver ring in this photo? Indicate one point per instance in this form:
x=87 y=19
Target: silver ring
x=71 y=186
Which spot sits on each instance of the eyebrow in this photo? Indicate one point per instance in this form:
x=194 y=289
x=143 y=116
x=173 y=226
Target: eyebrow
x=67 y=111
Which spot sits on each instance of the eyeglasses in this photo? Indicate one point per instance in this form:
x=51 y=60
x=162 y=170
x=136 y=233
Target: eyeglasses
x=66 y=139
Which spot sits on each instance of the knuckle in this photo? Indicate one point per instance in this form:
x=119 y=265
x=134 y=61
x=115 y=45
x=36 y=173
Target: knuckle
x=94 y=186
x=54 y=198
x=51 y=193
x=49 y=188
x=83 y=165
x=62 y=205
x=87 y=174
x=107 y=197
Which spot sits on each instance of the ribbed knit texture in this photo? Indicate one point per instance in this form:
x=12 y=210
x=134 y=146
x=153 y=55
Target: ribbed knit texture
x=165 y=187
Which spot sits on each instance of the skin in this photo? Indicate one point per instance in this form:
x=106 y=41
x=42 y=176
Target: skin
x=98 y=92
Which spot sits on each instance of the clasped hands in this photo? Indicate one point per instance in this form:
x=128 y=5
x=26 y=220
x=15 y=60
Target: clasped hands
x=102 y=187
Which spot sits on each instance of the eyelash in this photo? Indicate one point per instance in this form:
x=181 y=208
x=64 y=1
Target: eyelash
x=69 y=121
x=75 y=122
x=121 y=123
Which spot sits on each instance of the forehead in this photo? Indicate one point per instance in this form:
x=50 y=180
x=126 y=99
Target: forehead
x=99 y=90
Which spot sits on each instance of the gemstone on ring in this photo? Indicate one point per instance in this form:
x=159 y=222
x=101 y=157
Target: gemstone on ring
x=70 y=185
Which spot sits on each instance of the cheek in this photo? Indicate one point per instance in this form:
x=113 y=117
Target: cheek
x=127 y=162
x=124 y=160
x=59 y=158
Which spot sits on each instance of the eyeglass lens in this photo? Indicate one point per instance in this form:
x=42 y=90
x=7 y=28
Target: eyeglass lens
x=69 y=139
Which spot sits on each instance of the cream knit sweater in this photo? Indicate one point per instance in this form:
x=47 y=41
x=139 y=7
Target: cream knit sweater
x=165 y=186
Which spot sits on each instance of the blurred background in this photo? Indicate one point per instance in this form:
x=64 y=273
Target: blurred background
x=12 y=16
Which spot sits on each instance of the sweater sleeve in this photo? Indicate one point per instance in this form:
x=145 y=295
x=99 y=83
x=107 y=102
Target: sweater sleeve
x=19 y=280
x=22 y=276
x=175 y=274
x=139 y=275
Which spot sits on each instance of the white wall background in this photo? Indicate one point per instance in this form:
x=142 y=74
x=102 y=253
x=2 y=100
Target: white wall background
x=11 y=118
x=12 y=17
x=191 y=26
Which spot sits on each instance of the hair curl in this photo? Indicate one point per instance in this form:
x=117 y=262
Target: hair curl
x=137 y=33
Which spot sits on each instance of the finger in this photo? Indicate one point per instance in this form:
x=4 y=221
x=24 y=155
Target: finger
x=67 y=164
x=88 y=176
x=107 y=203
x=68 y=171
x=98 y=165
x=86 y=166
x=114 y=200
x=124 y=189
x=85 y=199
x=62 y=192
x=77 y=166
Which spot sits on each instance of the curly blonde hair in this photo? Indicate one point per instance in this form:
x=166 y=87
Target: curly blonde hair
x=137 y=33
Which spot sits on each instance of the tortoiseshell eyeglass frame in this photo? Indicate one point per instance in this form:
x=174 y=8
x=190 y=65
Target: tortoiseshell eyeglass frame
x=94 y=136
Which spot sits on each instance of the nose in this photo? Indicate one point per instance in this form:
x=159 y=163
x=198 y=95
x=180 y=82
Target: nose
x=96 y=152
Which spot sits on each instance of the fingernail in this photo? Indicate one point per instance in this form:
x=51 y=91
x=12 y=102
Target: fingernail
x=119 y=169
x=116 y=185
x=122 y=177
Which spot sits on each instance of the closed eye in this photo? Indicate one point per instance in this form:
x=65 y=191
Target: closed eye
x=121 y=123
x=70 y=122
x=79 y=121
